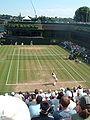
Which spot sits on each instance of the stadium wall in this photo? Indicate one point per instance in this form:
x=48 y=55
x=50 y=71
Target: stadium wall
x=48 y=33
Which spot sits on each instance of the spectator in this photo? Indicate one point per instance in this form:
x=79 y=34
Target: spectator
x=33 y=100
x=60 y=94
x=72 y=104
x=44 y=113
x=27 y=98
x=74 y=93
x=77 y=97
x=35 y=108
x=36 y=92
x=42 y=93
x=64 y=113
x=83 y=112
x=54 y=101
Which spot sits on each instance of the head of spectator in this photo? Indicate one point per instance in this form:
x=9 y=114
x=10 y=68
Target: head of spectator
x=65 y=101
x=12 y=93
x=84 y=105
x=74 y=88
x=72 y=104
x=13 y=108
x=53 y=95
x=45 y=108
x=26 y=95
x=33 y=100
x=79 y=87
x=41 y=91
x=68 y=88
x=33 y=96
x=62 y=89
x=60 y=94
x=68 y=93
x=47 y=97
x=39 y=99
x=49 y=92
x=36 y=91
x=56 y=92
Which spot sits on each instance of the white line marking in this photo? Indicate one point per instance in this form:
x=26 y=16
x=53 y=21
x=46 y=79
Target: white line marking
x=38 y=60
x=23 y=55
x=49 y=56
x=39 y=83
x=10 y=68
x=18 y=67
x=27 y=69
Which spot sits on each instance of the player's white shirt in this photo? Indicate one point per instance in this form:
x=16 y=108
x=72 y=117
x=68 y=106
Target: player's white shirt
x=54 y=76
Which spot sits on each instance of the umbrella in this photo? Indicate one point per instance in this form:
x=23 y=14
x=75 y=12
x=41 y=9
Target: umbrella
x=13 y=108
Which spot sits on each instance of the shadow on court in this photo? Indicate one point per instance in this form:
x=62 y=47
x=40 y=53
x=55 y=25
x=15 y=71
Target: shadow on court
x=47 y=84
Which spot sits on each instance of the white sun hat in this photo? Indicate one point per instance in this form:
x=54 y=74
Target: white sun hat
x=12 y=108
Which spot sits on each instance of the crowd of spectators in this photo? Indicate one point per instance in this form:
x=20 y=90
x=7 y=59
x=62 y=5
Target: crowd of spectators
x=76 y=51
x=62 y=104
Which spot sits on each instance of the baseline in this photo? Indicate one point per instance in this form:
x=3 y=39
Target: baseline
x=39 y=83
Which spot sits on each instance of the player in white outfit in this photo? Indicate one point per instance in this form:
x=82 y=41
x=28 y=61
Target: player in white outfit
x=55 y=78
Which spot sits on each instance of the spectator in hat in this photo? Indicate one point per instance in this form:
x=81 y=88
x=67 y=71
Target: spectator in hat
x=44 y=113
x=72 y=104
x=83 y=109
x=54 y=101
x=41 y=93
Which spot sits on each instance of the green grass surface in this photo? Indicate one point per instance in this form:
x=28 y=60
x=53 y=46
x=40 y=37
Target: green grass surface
x=21 y=65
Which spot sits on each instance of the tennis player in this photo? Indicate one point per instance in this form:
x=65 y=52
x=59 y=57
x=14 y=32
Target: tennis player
x=55 y=78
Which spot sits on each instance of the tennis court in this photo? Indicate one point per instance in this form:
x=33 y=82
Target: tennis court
x=33 y=65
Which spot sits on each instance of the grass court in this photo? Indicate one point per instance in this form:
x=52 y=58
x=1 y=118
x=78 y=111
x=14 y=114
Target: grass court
x=25 y=66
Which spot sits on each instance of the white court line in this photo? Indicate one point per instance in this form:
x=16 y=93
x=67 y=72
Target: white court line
x=10 y=67
x=28 y=69
x=63 y=66
x=38 y=55
x=50 y=67
x=74 y=70
x=18 y=67
x=39 y=83
x=38 y=60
